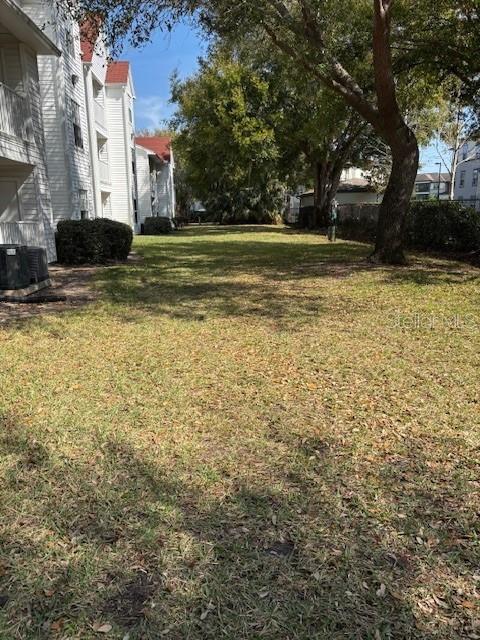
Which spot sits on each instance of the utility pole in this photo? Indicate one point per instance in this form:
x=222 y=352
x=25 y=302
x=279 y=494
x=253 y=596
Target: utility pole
x=439 y=164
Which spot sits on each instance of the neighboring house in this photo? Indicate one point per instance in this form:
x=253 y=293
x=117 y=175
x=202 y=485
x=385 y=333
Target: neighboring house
x=25 y=202
x=467 y=178
x=429 y=185
x=64 y=114
x=119 y=99
x=161 y=166
x=354 y=188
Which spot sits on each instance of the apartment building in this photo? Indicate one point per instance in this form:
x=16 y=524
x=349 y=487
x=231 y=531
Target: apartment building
x=94 y=63
x=26 y=215
x=119 y=101
x=467 y=178
x=155 y=176
x=109 y=98
x=67 y=144
x=64 y=113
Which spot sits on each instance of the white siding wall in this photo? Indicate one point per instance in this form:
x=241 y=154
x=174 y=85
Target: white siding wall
x=121 y=201
x=143 y=184
x=166 y=191
x=469 y=190
x=33 y=211
x=68 y=166
x=99 y=62
x=120 y=153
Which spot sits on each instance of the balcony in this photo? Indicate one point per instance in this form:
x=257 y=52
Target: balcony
x=104 y=172
x=99 y=111
x=14 y=119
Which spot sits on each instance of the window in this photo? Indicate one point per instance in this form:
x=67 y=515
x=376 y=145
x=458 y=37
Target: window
x=475 y=177
x=135 y=210
x=83 y=200
x=422 y=187
x=77 y=126
x=130 y=116
x=462 y=179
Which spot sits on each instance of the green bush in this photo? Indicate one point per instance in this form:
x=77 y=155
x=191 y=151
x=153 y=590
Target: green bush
x=92 y=241
x=157 y=226
x=431 y=225
x=443 y=226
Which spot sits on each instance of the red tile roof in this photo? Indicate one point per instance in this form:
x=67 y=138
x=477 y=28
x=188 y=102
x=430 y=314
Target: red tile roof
x=117 y=72
x=160 y=145
x=89 y=31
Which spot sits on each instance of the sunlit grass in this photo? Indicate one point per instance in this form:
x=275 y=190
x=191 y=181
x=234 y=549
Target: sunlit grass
x=250 y=434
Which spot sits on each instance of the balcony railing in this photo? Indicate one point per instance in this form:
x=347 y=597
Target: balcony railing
x=104 y=172
x=14 y=119
x=99 y=111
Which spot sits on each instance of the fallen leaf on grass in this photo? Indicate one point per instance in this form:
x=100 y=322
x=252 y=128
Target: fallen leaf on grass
x=102 y=627
x=381 y=591
x=57 y=625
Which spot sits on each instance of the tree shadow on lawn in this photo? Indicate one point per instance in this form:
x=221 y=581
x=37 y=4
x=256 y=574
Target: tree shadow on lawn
x=274 y=280
x=200 y=279
x=443 y=274
x=292 y=541
x=212 y=230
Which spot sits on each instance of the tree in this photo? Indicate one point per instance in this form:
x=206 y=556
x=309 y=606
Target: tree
x=360 y=49
x=314 y=129
x=226 y=140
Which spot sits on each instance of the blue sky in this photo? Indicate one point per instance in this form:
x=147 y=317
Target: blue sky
x=152 y=66
x=179 y=50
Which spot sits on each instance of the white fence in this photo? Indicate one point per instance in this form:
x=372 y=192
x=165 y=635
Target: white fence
x=13 y=113
x=25 y=233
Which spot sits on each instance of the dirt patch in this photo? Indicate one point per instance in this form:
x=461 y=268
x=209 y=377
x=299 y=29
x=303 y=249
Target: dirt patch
x=71 y=287
x=131 y=602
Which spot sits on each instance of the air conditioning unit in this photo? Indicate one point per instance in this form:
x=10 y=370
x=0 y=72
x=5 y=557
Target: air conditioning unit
x=14 y=267
x=38 y=264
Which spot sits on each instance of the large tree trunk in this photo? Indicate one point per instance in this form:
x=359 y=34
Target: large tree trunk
x=394 y=208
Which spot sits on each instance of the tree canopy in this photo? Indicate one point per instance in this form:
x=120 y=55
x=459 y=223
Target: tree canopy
x=226 y=140
x=369 y=52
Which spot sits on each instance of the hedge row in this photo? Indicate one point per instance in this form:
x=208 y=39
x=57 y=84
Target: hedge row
x=431 y=225
x=155 y=226
x=443 y=226
x=92 y=241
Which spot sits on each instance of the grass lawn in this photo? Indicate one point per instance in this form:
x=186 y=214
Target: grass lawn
x=250 y=434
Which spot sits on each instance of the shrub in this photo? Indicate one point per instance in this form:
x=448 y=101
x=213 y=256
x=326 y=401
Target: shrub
x=92 y=241
x=443 y=226
x=157 y=226
x=431 y=225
